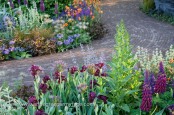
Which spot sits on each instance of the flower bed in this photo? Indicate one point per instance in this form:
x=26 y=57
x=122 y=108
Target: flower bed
x=129 y=85
x=28 y=31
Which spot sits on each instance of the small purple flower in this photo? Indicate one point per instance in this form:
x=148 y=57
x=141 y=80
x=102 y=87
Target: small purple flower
x=56 y=8
x=59 y=36
x=59 y=43
x=92 y=96
x=76 y=35
x=6 y=51
x=11 y=49
x=102 y=97
x=46 y=79
x=43 y=87
x=146 y=103
x=42 y=6
x=40 y=112
x=171 y=109
x=11 y=42
x=33 y=100
x=19 y=2
x=11 y=4
x=66 y=42
x=26 y=2
x=71 y=40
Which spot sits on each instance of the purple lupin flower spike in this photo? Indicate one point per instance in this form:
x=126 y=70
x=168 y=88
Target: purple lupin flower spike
x=56 y=8
x=42 y=6
x=26 y=2
x=161 y=83
x=146 y=103
x=161 y=68
x=152 y=82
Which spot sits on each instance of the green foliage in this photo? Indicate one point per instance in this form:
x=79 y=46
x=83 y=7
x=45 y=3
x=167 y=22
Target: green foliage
x=49 y=4
x=148 y=5
x=124 y=80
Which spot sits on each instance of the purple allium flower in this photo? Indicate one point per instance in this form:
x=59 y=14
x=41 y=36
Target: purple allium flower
x=40 y=112
x=26 y=2
x=94 y=82
x=146 y=103
x=84 y=68
x=35 y=70
x=6 y=51
x=33 y=100
x=161 y=68
x=56 y=9
x=171 y=109
x=42 y=6
x=46 y=78
x=161 y=83
x=43 y=87
x=152 y=82
x=66 y=42
x=11 y=42
x=59 y=43
x=73 y=69
x=102 y=97
x=92 y=96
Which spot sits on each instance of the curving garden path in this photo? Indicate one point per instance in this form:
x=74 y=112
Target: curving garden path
x=145 y=31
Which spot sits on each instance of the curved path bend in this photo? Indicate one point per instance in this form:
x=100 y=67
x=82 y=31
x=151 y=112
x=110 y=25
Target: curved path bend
x=145 y=32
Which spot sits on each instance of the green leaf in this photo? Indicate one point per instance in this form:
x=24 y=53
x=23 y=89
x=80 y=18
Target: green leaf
x=160 y=112
x=125 y=107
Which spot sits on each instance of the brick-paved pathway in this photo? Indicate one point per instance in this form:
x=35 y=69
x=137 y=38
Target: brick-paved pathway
x=145 y=31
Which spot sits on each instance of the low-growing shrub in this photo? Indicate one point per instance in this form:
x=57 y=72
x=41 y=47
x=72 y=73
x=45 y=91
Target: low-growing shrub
x=148 y=5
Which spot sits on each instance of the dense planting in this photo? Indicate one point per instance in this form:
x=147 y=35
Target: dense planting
x=27 y=30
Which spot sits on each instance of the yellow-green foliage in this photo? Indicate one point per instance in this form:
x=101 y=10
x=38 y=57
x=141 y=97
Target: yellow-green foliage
x=148 y=5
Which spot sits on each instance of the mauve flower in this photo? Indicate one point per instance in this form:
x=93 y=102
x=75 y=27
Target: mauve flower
x=46 y=78
x=161 y=68
x=35 y=70
x=94 y=82
x=161 y=83
x=56 y=9
x=42 y=6
x=6 y=51
x=171 y=109
x=33 y=100
x=102 y=97
x=26 y=2
x=43 y=87
x=84 y=68
x=59 y=78
x=73 y=69
x=40 y=112
x=11 y=42
x=92 y=96
x=146 y=103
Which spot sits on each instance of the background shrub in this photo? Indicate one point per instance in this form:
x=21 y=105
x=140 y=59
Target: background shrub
x=148 y=5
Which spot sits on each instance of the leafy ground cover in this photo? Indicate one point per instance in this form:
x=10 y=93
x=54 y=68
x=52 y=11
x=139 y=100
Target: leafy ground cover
x=128 y=84
x=32 y=30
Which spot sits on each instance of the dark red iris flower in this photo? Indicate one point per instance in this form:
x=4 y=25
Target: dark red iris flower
x=43 y=87
x=99 y=65
x=92 y=96
x=33 y=100
x=84 y=68
x=46 y=78
x=40 y=112
x=73 y=69
x=102 y=97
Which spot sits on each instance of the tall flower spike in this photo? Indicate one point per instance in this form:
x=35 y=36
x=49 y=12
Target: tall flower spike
x=56 y=8
x=161 y=68
x=146 y=103
x=19 y=2
x=11 y=4
x=42 y=6
x=161 y=83
x=26 y=2
x=152 y=82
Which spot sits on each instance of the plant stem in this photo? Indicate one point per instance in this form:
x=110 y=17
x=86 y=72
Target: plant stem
x=154 y=110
